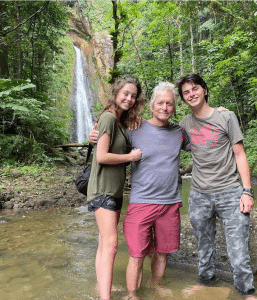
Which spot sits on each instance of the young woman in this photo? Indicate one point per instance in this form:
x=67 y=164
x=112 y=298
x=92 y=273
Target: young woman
x=105 y=189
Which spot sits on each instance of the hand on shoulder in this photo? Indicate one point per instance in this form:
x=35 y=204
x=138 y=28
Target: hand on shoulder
x=222 y=109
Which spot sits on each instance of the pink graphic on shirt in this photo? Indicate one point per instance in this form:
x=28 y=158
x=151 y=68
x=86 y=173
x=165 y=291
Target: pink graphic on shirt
x=206 y=135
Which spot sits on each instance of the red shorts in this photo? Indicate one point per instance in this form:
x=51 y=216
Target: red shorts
x=152 y=226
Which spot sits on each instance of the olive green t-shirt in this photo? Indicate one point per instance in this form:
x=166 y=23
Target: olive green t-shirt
x=108 y=179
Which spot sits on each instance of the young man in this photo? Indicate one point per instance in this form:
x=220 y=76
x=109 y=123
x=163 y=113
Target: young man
x=152 y=222
x=217 y=150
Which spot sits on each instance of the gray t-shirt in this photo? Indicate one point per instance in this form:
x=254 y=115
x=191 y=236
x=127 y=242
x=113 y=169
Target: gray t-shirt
x=212 y=138
x=108 y=179
x=154 y=179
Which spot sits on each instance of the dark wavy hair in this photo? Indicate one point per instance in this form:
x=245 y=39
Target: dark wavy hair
x=130 y=116
x=192 y=78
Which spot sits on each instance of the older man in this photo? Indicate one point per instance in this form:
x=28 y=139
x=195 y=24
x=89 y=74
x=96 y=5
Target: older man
x=152 y=222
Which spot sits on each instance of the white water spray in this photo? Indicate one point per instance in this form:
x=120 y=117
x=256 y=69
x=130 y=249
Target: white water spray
x=83 y=115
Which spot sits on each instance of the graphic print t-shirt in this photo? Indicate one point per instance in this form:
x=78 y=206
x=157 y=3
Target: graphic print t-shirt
x=212 y=138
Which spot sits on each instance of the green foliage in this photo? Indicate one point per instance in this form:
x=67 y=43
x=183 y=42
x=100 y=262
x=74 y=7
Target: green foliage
x=97 y=109
x=21 y=169
x=114 y=73
x=185 y=158
x=250 y=145
x=28 y=126
x=34 y=112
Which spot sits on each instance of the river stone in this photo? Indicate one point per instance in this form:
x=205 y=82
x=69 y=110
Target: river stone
x=3 y=220
x=45 y=203
x=8 y=205
x=16 y=173
x=81 y=161
x=189 y=167
x=181 y=171
x=18 y=205
x=70 y=160
x=82 y=152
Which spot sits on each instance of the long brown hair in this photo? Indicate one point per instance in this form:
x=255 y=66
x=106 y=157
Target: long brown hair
x=129 y=116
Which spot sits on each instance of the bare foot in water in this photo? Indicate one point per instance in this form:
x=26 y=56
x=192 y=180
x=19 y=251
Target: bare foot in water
x=117 y=289
x=130 y=296
x=162 y=291
x=250 y=297
x=191 y=290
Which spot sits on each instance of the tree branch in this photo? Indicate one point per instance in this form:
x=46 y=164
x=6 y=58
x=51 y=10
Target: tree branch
x=31 y=17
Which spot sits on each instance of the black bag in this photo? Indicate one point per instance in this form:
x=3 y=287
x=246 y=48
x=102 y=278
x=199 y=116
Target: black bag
x=82 y=180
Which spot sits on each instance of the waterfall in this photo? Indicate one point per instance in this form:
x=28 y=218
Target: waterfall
x=82 y=96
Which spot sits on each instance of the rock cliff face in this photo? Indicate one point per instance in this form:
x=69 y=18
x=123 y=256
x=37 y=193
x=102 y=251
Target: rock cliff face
x=97 y=50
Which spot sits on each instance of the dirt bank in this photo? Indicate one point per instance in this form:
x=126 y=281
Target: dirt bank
x=50 y=188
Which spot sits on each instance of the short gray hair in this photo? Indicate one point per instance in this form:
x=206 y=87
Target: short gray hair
x=164 y=85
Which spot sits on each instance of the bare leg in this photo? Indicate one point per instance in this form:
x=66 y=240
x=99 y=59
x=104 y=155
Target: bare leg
x=158 y=266
x=134 y=275
x=107 y=248
x=98 y=260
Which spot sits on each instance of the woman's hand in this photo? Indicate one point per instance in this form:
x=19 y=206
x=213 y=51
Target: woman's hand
x=136 y=154
x=93 y=135
x=221 y=109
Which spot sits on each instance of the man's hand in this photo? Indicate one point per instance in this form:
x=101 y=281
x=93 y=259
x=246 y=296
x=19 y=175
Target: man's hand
x=246 y=203
x=93 y=135
x=221 y=109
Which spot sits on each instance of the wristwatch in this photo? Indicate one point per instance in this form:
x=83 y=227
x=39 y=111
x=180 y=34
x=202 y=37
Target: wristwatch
x=249 y=192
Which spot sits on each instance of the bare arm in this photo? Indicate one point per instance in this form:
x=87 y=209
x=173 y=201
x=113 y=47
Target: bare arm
x=246 y=203
x=103 y=156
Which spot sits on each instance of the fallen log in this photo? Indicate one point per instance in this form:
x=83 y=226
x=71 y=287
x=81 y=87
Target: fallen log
x=66 y=146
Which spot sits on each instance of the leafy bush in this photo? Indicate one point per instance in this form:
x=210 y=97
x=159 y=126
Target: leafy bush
x=250 y=145
x=29 y=124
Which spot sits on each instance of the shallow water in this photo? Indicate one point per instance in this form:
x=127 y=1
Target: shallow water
x=49 y=254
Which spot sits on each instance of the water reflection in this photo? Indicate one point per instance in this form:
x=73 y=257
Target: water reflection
x=50 y=254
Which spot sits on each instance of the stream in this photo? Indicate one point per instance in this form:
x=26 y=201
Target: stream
x=49 y=254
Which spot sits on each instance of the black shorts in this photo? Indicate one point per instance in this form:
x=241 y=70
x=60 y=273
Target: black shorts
x=106 y=202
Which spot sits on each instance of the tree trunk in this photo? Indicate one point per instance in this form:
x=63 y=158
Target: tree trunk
x=139 y=57
x=19 y=64
x=180 y=51
x=4 y=70
x=116 y=58
x=192 y=47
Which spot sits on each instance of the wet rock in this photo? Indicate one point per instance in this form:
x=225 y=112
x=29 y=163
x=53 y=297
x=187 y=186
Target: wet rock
x=16 y=173
x=20 y=212
x=18 y=205
x=8 y=205
x=182 y=171
x=45 y=203
x=81 y=161
x=82 y=152
x=189 y=167
x=70 y=160
x=3 y=220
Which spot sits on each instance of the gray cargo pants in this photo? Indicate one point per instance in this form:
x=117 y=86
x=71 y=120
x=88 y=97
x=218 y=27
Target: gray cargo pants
x=203 y=209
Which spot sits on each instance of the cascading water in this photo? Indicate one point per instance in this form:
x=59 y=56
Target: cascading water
x=84 y=122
